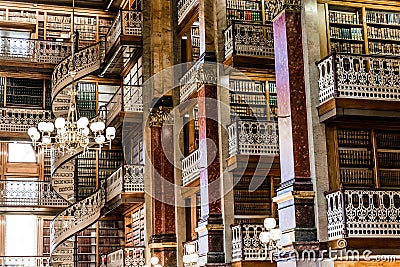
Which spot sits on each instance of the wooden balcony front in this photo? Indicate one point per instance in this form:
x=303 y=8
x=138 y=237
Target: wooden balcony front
x=125 y=257
x=123 y=41
x=359 y=85
x=359 y=218
x=249 y=46
x=187 y=12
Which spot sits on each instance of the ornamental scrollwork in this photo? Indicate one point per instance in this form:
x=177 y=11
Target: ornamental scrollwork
x=277 y=6
x=158 y=116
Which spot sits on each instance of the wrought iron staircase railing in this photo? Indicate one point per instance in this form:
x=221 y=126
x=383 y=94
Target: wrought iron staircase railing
x=25 y=261
x=19 y=120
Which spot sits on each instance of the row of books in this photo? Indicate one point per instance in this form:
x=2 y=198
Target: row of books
x=353 y=137
x=246 y=86
x=111 y=232
x=383 y=48
x=356 y=176
x=383 y=33
x=24 y=100
x=59 y=19
x=249 y=111
x=251 y=208
x=346 y=33
x=344 y=17
x=381 y=17
x=248 y=99
x=244 y=15
x=388 y=139
x=87 y=181
x=355 y=157
x=22 y=16
x=344 y=47
x=271 y=87
x=243 y=4
x=110 y=241
x=388 y=159
x=273 y=101
x=85 y=192
x=110 y=224
x=88 y=21
x=86 y=257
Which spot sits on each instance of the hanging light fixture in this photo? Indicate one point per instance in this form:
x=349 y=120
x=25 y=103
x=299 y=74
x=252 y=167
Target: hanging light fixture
x=73 y=133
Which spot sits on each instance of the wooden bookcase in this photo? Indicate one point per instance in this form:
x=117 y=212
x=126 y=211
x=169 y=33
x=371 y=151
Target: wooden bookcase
x=108 y=162
x=363 y=29
x=87 y=99
x=87 y=28
x=244 y=11
x=363 y=157
x=135 y=227
x=86 y=170
x=87 y=247
x=110 y=234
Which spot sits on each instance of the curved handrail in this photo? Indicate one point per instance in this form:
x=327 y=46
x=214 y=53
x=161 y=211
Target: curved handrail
x=87 y=60
x=75 y=218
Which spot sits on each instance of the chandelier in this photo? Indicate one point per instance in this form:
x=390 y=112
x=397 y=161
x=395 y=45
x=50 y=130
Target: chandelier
x=72 y=134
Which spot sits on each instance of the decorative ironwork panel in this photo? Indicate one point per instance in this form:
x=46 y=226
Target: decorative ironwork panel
x=29 y=261
x=359 y=76
x=19 y=120
x=246 y=244
x=253 y=138
x=249 y=40
x=128 y=257
x=133 y=98
x=184 y=7
x=29 y=193
x=134 y=178
x=114 y=184
x=132 y=22
x=335 y=215
x=191 y=168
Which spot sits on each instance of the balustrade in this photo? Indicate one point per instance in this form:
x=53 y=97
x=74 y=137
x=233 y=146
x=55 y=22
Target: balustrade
x=359 y=77
x=363 y=213
x=25 y=261
x=191 y=168
x=127 y=179
x=184 y=7
x=249 y=40
x=253 y=138
x=33 y=50
x=125 y=257
x=246 y=244
x=19 y=120
x=127 y=22
x=29 y=193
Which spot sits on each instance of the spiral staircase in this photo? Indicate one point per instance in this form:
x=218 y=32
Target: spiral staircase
x=79 y=215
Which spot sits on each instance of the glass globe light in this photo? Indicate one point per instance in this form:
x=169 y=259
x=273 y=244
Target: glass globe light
x=46 y=140
x=193 y=257
x=276 y=234
x=60 y=123
x=186 y=259
x=265 y=237
x=154 y=260
x=269 y=223
x=32 y=131
x=82 y=123
x=100 y=139
x=190 y=248
x=110 y=133
x=49 y=127
x=42 y=126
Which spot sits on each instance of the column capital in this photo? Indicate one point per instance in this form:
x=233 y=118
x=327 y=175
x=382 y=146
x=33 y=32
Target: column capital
x=158 y=116
x=278 y=6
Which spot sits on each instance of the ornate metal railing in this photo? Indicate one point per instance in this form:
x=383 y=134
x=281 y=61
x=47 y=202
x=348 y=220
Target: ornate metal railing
x=359 y=76
x=363 y=213
x=132 y=101
x=87 y=60
x=246 y=244
x=127 y=22
x=253 y=138
x=125 y=257
x=128 y=179
x=19 y=120
x=33 y=50
x=189 y=248
x=184 y=7
x=25 y=261
x=29 y=193
x=249 y=40
x=75 y=218
x=200 y=73
x=191 y=167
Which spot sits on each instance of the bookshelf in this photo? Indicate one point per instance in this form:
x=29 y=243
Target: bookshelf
x=135 y=228
x=250 y=99
x=24 y=92
x=108 y=162
x=26 y=16
x=195 y=39
x=110 y=235
x=87 y=247
x=388 y=154
x=250 y=11
x=87 y=28
x=44 y=243
x=104 y=26
x=86 y=168
x=2 y=90
x=58 y=27
x=87 y=99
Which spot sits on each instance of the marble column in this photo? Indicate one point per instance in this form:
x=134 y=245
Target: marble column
x=210 y=228
x=163 y=238
x=295 y=197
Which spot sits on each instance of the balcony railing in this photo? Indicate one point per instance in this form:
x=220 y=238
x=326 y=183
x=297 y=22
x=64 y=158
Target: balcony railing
x=249 y=40
x=15 y=193
x=38 y=51
x=359 y=77
x=19 y=120
x=200 y=73
x=127 y=22
x=363 y=213
x=125 y=257
x=184 y=7
x=189 y=248
x=127 y=179
x=246 y=244
x=253 y=138
x=24 y=261
x=132 y=101
x=191 y=168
